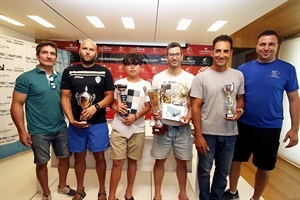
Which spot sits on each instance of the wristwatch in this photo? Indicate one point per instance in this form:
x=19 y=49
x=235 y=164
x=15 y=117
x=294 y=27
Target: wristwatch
x=241 y=110
x=97 y=107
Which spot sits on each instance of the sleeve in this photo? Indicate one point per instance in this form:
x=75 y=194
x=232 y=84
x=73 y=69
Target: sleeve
x=109 y=83
x=22 y=84
x=65 y=80
x=196 y=88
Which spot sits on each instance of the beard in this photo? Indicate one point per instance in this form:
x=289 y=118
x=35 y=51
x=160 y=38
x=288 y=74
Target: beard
x=88 y=61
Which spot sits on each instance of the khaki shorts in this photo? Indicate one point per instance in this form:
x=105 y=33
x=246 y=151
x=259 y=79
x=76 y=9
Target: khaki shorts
x=121 y=147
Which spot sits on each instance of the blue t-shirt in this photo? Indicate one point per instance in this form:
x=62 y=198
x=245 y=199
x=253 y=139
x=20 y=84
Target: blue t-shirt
x=43 y=108
x=265 y=84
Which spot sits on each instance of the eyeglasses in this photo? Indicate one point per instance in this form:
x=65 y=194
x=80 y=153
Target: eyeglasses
x=52 y=84
x=174 y=54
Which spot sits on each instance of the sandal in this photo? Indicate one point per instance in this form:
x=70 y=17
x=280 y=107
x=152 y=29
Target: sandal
x=82 y=195
x=129 y=198
x=103 y=194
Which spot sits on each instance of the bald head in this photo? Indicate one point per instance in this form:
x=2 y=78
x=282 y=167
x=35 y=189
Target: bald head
x=88 y=52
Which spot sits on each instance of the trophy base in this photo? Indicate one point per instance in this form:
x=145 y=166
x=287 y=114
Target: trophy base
x=159 y=131
x=229 y=115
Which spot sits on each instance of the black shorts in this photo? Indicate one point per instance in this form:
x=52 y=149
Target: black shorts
x=262 y=142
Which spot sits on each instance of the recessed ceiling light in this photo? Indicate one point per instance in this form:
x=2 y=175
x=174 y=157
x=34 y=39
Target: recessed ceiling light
x=95 y=21
x=41 y=21
x=216 y=26
x=9 y=20
x=128 y=22
x=183 y=24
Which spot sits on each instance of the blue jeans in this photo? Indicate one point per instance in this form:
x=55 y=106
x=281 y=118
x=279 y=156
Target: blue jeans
x=221 y=150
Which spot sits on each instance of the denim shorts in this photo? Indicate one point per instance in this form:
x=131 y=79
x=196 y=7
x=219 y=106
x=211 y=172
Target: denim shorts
x=41 y=146
x=94 y=138
x=177 y=137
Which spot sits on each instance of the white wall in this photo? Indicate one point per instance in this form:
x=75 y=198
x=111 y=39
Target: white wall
x=11 y=33
x=290 y=52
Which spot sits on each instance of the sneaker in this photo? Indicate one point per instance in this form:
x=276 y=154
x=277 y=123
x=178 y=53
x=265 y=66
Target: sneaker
x=228 y=195
x=47 y=197
x=66 y=191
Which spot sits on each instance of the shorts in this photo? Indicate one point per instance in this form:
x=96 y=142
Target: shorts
x=177 y=137
x=94 y=138
x=121 y=147
x=41 y=146
x=262 y=142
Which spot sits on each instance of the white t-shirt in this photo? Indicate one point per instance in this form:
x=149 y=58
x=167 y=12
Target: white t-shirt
x=177 y=90
x=135 y=100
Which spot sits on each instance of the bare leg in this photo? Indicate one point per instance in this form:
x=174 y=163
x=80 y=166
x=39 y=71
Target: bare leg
x=115 y=178
x=100 y=169
x=261 y=180
x=80 y=168
x=131 y=172
x=158 y=171
x=63 y=168
x=181 y=172
x=42 y=176
x=234 y=175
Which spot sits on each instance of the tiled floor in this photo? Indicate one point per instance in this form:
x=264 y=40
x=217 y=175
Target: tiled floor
x=143 y=189
x=18 y=182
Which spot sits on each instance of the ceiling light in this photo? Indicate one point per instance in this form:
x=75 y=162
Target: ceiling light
x=9 y=20
x=128 y=22
x=41 y=21
x=95 y=21
x=183 y=24
x=216 y=26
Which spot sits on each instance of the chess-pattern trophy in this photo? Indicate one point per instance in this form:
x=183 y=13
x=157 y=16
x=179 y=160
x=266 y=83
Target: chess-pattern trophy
x=228 y=89
x=85 y=100
x=122 y=95
x=155 y=96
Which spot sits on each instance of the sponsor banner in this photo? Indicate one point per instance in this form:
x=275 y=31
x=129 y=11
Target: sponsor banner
x=111 y=56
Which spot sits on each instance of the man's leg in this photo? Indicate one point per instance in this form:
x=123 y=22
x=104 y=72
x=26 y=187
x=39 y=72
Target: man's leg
x=42 y=176
x=261 y=180
x=158 y=172
x=101 y=171
x=63 y=169
x=181 y=172
x=131 y=172
x=234 y=175
x=80 y=168
x=115 y=178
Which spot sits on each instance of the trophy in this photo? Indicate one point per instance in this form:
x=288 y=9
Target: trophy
x=229 y=102
x=122 y=95
x=155 y=97
x=85 y=99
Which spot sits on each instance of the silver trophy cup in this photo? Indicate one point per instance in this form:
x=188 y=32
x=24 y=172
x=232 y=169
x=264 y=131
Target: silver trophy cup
x=85 y=100
x=228 y=89
x=122 y=95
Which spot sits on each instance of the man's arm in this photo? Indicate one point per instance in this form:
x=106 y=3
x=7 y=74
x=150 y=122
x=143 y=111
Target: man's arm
x=294 y=104
x=66 y=105
x=106 y=101
x=17 y=115
x=200 y=142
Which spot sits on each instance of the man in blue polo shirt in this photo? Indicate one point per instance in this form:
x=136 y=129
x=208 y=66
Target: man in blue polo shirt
x=39 y=90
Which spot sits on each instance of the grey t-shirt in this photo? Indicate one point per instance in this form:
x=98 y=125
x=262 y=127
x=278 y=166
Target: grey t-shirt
x=209 y=86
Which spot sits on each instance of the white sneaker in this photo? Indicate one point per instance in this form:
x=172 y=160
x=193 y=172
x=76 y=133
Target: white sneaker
x=66 y=191
x=47 y=197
